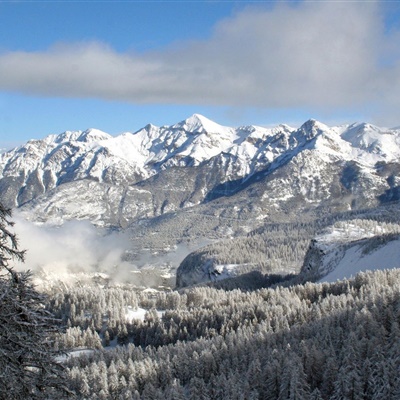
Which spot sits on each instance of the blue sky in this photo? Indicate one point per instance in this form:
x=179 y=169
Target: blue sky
x=118 y=65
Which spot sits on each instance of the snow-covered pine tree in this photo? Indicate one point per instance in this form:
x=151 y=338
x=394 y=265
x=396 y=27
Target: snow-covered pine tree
x=28 y=369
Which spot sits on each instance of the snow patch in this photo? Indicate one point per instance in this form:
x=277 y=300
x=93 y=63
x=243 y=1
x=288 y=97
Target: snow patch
x=355 y=260
x=139 y=314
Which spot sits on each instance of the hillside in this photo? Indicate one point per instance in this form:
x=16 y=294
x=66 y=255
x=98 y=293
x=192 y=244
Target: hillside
x=350 y=247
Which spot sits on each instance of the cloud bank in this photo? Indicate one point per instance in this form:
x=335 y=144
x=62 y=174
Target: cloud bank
x=314 y=54
x=79 y=249
x=76 y=246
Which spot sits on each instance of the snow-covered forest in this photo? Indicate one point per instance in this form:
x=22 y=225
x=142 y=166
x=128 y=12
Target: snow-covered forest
x=311 y=341
x=259 y=335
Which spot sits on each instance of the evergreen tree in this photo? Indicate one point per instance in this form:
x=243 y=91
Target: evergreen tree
x=294 y=384
x=198 y=389
x=175 y=391
x=28 y=369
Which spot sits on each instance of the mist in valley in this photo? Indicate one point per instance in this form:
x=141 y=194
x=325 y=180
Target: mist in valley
x=78 y=248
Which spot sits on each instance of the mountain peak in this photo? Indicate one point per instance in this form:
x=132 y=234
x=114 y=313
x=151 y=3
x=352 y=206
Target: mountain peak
x=66 y=136
x=313 y=124
x=311 y=128
x=91 y=135
x=199 y=123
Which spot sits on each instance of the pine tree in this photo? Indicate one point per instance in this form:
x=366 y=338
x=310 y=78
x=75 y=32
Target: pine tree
x=198 y=389
x=174 y=391
x=294 y=384
x=84 y=387
x=272 y=380
x=349 y=381
x=27 y=357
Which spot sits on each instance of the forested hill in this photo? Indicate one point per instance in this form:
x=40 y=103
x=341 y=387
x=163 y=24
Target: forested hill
x=312 y=341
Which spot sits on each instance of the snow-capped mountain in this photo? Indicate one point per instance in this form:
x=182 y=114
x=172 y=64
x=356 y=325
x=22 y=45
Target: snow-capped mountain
x=247 y=172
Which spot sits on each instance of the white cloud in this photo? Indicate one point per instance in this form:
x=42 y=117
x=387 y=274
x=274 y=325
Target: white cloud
x=314 y=54
x=77 y=246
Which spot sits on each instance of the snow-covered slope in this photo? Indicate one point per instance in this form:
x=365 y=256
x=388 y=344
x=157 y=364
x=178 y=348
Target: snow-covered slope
x=386 y=255
x=351 y=247
x=255 y=172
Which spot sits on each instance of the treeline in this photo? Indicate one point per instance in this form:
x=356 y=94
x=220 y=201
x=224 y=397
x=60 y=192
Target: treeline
x=311 y=341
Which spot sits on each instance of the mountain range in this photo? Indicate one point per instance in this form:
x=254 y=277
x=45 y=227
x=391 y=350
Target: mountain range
x=114 y=181
x=198 y=179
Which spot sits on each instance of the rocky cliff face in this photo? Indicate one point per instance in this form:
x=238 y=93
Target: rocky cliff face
x=322 y=258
